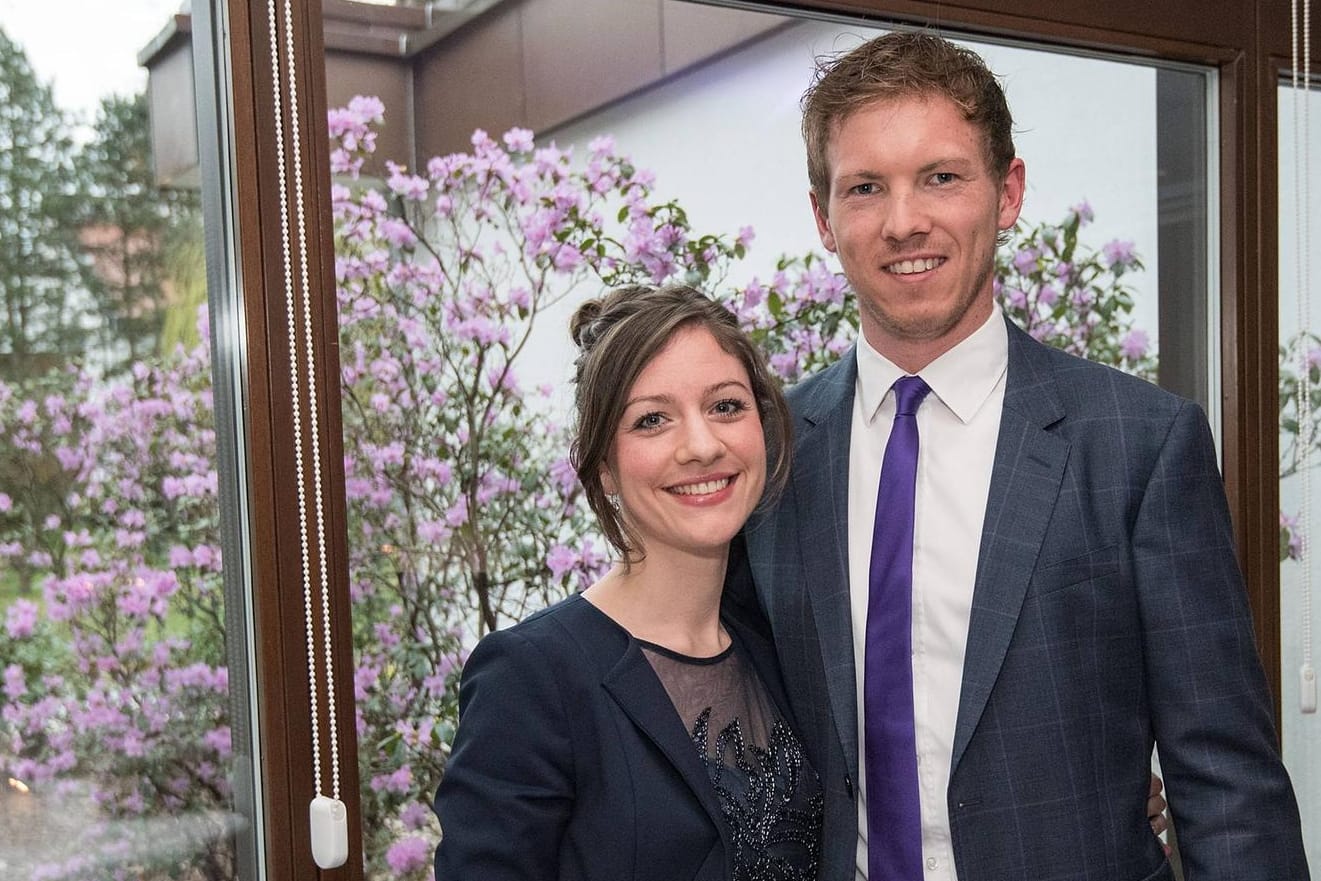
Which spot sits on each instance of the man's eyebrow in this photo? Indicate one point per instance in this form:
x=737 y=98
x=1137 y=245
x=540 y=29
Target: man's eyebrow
x=958 y=161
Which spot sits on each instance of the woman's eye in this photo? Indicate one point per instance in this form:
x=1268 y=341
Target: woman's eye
x=730 y=407
x=648 y=421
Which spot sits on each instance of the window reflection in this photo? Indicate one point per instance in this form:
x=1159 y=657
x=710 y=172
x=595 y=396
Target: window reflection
x=115 y=718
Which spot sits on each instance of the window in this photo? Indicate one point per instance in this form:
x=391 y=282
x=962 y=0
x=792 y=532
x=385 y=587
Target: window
x=124 y=746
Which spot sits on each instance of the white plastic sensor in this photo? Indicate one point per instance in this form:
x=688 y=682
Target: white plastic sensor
x=330 y=832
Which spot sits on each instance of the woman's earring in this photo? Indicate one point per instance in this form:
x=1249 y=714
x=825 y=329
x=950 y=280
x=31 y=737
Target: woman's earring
x=613 y=500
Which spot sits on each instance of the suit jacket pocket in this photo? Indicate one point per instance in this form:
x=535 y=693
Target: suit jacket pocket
x=1075 y=570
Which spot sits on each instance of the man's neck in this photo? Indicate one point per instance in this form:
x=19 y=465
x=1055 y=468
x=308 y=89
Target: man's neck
x=913 y=355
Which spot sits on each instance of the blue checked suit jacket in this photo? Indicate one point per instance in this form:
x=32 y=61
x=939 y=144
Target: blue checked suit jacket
x=1108 y=615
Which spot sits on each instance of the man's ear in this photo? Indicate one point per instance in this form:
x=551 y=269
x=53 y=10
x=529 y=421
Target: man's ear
x=822 y=223
x=1011 y=194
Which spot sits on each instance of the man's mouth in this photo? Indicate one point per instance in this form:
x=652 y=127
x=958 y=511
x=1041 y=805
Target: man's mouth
x=911 y=267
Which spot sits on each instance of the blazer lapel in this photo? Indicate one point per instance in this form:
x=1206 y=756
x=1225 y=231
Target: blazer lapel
x=1025 y=482
x=633 y=684
x=820 y=488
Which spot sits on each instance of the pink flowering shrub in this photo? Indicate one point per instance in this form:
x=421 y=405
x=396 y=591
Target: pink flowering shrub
x=464 y=514
x=113 y=674
x=1072 y=297
x=803 y=317
x=1053 y=286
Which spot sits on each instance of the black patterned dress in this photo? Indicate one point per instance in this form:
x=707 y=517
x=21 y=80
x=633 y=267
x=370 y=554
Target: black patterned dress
x=768 y=792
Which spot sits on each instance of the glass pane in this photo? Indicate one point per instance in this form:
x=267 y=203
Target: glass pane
x=1300 y=349
x=117 y=720
x=460 y=258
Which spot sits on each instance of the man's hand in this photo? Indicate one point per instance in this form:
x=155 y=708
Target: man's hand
x=1156 y=806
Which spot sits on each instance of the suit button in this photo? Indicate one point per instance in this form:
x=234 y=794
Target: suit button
x=932 y=863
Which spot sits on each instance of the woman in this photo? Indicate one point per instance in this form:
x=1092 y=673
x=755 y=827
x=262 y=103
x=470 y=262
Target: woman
x=636 y=731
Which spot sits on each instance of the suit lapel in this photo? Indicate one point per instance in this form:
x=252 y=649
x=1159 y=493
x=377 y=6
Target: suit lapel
x=633 y=684
x=820 y=488
x=1025 y=482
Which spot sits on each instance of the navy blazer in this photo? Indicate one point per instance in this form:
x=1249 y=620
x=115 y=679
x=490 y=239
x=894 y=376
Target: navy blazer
x=1108 y=616
x=570 y=761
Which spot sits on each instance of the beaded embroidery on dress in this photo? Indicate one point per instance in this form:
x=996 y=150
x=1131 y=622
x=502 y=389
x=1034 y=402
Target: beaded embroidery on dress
x=768 y=792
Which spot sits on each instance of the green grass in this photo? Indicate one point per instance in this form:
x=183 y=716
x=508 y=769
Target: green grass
x=10 y=591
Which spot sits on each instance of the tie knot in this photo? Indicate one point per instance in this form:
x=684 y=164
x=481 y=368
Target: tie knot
x=908 y=394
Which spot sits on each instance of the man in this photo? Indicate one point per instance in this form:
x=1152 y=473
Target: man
x=1068 y=589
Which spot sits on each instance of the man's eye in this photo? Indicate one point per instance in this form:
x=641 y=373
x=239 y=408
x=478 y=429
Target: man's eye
x=943 y=177
x=864 y=189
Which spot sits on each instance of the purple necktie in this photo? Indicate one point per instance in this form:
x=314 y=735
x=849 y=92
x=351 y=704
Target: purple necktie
x=894 y=821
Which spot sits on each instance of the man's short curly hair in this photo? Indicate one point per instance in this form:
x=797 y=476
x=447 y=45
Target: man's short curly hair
x=902 y=64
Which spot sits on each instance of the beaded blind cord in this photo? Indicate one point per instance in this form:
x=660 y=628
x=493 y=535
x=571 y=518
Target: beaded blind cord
x=1301 y=45
x=327 y=815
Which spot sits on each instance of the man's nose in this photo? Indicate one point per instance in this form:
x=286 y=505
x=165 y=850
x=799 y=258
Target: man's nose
x=906 y=216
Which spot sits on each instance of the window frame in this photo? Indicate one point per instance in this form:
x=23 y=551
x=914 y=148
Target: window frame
x=1246 y=42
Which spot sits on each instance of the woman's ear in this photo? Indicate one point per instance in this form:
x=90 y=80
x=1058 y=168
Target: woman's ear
x=608 y=482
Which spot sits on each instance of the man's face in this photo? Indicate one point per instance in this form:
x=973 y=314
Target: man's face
x=913 y=214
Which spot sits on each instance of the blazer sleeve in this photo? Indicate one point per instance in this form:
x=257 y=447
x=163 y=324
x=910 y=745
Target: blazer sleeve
x=508 y=792
x=1230 y=796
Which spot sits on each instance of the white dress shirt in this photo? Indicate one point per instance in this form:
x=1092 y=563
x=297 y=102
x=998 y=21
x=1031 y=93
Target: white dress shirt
x=958 y=424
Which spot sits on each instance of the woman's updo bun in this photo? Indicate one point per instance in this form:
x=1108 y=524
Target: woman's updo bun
x=581 y=325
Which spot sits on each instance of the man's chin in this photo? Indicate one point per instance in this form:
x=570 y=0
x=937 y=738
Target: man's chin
x=921 y=328
x=932 y=332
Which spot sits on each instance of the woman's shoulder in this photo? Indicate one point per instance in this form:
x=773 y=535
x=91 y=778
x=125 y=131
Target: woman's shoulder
x=573 y=614
x=571 y=627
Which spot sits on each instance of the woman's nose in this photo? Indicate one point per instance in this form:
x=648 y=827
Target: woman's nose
x=700 y=443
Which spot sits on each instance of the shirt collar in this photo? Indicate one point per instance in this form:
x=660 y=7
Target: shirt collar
x=963 y=378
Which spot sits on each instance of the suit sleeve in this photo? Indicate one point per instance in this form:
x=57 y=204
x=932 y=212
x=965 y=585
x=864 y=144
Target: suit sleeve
x=1230 y=796
x=508 y=792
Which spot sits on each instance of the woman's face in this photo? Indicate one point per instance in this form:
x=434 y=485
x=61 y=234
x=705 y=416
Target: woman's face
x=689 y=457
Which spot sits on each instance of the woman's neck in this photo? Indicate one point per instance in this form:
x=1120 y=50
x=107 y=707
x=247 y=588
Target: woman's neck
x=672 y=600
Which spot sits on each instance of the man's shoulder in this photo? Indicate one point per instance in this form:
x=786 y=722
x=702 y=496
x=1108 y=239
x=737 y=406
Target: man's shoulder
x=825 y=385
x=1100 y=387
